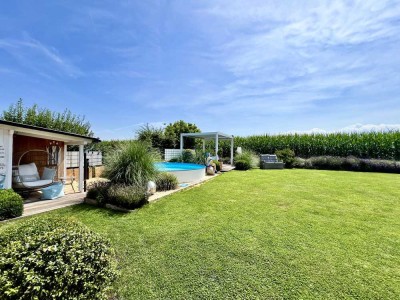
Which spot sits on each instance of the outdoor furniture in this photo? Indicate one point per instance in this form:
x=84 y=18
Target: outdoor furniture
x=54 y=191
x=270 y=161
x=69 y=180
x=2 y=179
x=26 y=177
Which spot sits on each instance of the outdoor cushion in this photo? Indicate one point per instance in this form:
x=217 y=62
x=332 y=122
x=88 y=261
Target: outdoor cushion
x=29 y=169
x=53 y=191
x=37 y=183
x=29 y=178
x=48 y=174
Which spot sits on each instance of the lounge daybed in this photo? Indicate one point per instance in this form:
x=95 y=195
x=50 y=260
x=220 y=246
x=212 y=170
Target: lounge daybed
x=270 y=161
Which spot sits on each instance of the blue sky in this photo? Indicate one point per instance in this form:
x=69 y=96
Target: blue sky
x=242 y=67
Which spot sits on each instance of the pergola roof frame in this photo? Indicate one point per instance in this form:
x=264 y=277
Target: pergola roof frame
x=217 y=136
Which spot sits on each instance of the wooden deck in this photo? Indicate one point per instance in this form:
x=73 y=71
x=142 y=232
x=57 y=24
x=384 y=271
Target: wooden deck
x=34 y=206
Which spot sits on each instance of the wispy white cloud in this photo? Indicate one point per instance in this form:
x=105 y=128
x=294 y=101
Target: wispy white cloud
x=288 y=53
x=34 y=54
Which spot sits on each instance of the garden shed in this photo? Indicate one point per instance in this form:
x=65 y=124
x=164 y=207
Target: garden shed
x=18 y=142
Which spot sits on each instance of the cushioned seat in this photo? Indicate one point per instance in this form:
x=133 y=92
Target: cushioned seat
x=53 y=191
x=37 y=183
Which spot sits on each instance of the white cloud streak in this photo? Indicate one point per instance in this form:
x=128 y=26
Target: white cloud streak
x=25 y=50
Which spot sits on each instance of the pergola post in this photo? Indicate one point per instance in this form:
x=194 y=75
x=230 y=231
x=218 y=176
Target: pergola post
x=216 y=144
x=81 y=169
x=232 y=151
x=204 y=145
x=181 y=143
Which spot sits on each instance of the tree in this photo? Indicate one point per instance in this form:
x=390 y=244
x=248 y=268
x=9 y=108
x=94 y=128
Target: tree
x=173 y=134
x=43 y=117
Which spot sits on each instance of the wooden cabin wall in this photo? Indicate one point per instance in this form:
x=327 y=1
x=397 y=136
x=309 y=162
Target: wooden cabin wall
x=25 y=143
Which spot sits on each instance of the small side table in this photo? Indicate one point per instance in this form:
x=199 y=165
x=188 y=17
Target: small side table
x=71 y=180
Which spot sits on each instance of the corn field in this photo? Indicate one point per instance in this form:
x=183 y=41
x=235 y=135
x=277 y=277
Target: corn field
x=380 y=145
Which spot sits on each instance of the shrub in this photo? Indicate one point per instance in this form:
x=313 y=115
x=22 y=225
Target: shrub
x=217 y=165
x=131 y=164
x=98 y=190
x=299 y=162
x=54 y=258
x=11 y=204
x=348 y=164
x=166 y=181
x=188 y=156
x=242 y=164
x=127 y=196
x=246 y=160
x=287 y=156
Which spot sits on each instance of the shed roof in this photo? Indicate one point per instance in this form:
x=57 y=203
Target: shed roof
x=41 y=132
x=208 y=135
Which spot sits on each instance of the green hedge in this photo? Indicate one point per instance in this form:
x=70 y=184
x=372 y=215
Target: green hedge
x=376 y=145
x=348 y=164
x=54 y=258
x=11 y=204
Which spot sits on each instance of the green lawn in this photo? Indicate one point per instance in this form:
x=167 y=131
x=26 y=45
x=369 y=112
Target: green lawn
x=261 y=234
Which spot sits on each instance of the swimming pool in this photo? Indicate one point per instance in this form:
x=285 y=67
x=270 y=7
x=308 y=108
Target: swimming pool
x=185 y=172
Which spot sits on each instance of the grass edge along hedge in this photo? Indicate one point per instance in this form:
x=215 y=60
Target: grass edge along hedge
x=11 y=204
x=54 y=258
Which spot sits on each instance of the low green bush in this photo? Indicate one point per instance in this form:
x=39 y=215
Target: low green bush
x=166 y=181
x=246 y=160
x=287 y=156
x=11 y=204
x=348 y=164
x=54 y=258
x=242 y=165
x=217 y=165
x=188 y=156
x=98 y=191
x=127 y=196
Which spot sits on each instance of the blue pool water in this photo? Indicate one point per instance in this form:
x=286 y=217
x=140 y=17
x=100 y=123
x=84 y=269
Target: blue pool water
x=174 y=166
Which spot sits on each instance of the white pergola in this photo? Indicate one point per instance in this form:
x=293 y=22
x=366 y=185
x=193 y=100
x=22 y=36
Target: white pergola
x=217 y=136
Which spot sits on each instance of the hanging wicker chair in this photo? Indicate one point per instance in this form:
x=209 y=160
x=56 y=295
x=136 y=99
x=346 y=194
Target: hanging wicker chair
x=36 y=169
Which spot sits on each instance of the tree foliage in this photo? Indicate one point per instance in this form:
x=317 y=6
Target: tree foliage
x=173 y=133
x=44 y=117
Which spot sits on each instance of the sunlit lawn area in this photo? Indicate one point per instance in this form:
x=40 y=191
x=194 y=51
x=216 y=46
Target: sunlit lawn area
x=260 y=234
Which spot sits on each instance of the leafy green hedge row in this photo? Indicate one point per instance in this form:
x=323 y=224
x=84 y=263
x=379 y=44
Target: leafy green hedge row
x=348 y=164
x=377 y=145
x=54 y=258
